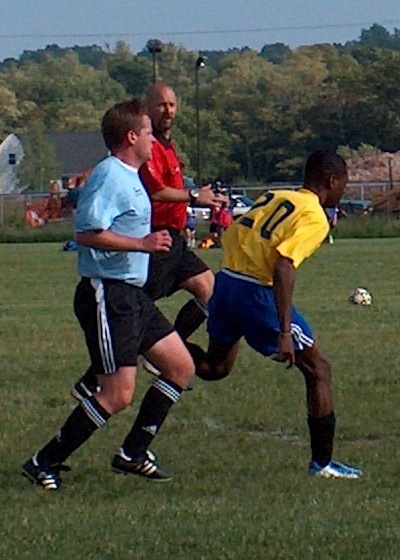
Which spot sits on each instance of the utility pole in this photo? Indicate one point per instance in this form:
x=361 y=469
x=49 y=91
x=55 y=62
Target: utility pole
x=154 y=46
x=200 y=63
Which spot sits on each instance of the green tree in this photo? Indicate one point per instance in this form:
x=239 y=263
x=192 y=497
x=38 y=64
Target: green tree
x=39 y=165
x=134 y=73
x=215 y=144
x=177 y=67
x=275 y=53
x=10 y=112
x=46 y=89
x=377 y=36
x=383 y=119
x=240 y=98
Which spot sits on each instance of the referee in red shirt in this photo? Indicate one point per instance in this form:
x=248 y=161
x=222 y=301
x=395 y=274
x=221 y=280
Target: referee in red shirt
x=163 y=177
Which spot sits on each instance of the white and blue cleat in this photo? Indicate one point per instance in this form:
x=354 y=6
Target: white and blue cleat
x=334 y=470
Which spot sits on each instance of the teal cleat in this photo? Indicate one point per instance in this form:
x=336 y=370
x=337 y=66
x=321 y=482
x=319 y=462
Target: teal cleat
x=334 y=470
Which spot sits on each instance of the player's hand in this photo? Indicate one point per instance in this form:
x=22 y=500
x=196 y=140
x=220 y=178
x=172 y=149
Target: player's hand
x=157 y=242
x=286 y=353
x=207 y=197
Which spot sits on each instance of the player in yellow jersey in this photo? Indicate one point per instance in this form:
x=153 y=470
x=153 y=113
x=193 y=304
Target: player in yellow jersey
x=253 y=296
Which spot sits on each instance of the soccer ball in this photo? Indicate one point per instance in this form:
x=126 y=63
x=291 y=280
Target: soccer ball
x=360 y=296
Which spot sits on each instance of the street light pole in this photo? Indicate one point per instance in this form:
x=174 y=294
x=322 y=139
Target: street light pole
x=200 y=63
x=154 y=46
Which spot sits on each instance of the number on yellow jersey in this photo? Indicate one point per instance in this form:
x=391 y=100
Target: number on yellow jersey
x=281 y=212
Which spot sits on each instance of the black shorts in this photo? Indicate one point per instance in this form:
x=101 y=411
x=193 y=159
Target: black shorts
x=214 y=228
x=119 y=321
x=169 y=270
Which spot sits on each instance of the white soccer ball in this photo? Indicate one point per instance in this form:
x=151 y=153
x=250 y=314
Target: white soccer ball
x=360 y=296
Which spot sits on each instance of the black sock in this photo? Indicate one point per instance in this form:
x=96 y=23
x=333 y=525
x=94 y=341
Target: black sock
x=80 y=425
x=322 y=432
x=154 y=409
x=199 y=356
x=90 y=377
x=190 y=317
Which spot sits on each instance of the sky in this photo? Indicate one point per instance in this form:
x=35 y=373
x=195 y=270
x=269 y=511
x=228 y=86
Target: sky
x=204 y=25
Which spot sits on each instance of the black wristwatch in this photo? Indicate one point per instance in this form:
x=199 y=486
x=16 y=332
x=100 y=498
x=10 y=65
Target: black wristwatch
x=194 y=195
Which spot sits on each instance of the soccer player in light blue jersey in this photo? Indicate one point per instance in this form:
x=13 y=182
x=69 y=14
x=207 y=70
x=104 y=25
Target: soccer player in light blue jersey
x=119 y=320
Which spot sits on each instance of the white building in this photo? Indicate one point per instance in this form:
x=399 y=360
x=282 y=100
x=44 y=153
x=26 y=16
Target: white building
x=75 y=152
x=11 y=155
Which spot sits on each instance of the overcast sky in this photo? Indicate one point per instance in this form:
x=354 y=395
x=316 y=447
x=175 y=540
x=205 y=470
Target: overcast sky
x=209 y=24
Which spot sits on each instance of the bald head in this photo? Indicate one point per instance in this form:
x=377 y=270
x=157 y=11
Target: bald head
x=161 y=107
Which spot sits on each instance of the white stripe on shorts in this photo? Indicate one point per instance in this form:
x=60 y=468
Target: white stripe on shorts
x=103 y=328
x=301 y=338
x=240 y=276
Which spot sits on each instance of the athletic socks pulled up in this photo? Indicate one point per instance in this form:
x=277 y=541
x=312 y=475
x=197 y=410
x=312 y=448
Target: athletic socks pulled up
x=153 y=411
x=84 y=420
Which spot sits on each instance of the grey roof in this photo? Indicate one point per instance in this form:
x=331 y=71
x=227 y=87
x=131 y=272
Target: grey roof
x=76 y=152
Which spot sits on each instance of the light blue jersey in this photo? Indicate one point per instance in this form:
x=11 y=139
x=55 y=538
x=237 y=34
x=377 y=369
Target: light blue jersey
x=114 y=199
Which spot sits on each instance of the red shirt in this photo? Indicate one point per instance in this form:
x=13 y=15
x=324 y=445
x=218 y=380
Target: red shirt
x=221 y=217
x=164 y=169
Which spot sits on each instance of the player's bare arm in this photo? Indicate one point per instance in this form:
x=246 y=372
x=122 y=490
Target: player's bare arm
x=107 y=240
x=283 y=286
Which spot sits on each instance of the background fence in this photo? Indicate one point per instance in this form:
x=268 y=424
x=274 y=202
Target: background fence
x=13 y=207
x=354 y=191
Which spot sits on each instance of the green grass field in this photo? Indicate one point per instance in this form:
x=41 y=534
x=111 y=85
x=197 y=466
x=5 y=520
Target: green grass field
x=238 y=449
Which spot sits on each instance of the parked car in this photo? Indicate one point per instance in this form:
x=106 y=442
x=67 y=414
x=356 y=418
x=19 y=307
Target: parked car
x=189 y=182
x=240 y=204
x=353 y=207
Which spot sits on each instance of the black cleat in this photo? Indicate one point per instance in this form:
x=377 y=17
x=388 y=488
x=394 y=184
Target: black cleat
x=48 y=477
x=147 y=468
x=84 y=388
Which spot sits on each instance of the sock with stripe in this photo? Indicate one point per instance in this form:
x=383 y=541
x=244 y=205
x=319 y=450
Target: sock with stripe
x=322 y=432
x=84 y=420
x=154 y=409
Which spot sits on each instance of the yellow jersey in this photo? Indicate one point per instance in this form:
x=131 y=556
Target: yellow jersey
x=289 y=223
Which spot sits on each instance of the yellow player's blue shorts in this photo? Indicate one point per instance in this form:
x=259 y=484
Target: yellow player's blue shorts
x=241 y=307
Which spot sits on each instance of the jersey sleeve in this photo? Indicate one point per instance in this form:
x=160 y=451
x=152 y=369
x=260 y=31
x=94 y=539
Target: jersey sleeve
x=308 y=234
x=99 y=206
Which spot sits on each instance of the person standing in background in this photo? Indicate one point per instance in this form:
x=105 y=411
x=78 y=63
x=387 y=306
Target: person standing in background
x=191 y=226
x=163 y=176
x=332 y=215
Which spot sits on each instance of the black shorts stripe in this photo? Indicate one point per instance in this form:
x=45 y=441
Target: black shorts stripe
x=120 y=322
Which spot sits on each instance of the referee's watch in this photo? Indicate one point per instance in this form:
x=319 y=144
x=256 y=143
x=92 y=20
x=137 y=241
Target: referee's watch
x=194 y=195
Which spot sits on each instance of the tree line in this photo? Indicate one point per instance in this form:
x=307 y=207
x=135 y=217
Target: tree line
x=260 y=113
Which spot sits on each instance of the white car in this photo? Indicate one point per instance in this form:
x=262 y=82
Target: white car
x=240 y=204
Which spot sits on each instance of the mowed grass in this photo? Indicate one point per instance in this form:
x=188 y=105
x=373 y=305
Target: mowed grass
x=238 y=448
